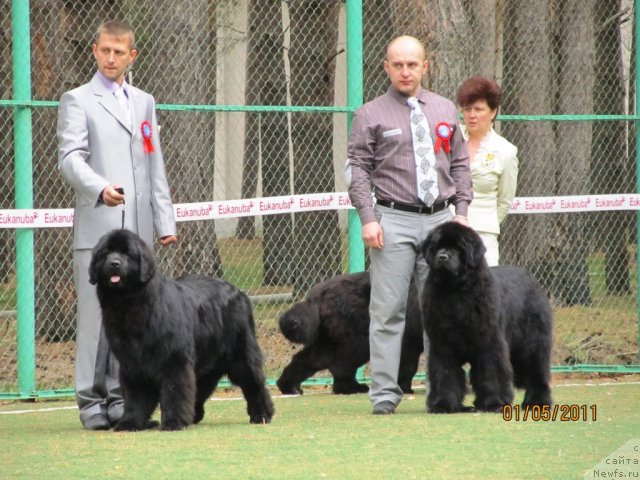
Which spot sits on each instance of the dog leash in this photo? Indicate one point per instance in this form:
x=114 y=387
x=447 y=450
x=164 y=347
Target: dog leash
x=121 y=191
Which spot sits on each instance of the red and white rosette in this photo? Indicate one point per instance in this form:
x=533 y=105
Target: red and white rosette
x=444 y=132
x=145 y=128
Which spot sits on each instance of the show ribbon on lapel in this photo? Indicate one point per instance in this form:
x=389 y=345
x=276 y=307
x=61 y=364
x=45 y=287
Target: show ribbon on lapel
x=145 y=128
x=444 y=132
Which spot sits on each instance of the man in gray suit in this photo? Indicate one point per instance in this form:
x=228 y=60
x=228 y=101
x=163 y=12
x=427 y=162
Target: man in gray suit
x=109 y=151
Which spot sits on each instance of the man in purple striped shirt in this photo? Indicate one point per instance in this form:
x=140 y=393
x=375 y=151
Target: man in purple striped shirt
x=382 y=165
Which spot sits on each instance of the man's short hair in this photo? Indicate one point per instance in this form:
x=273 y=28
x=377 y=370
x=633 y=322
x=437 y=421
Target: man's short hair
x=117 y=28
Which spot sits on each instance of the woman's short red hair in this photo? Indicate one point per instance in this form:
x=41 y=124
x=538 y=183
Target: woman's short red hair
x=479 y=88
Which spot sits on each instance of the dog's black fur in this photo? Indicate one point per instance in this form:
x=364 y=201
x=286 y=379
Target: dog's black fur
x=174 y=339
x=333 y=325
x=497 y=319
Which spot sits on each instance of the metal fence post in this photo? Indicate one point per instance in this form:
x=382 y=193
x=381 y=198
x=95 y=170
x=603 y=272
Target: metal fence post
x=636 y=27
x=354 y=100
x=24 y=196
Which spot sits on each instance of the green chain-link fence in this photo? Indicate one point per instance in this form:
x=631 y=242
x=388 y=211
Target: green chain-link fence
x=253 y=104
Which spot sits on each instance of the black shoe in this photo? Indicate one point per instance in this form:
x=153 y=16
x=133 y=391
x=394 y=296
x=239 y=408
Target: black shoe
x=384 y=408
x=97 y=422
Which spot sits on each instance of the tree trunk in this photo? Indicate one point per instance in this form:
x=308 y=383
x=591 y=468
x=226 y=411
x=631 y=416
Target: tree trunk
x=266 y=137
x=377 y=32
x=183 y=70
x=447 y=46
x=258 y=18
x=484 y=37
x=528 y=240
x=575 y=56
x=612 y=170
x=410 y=18
x=314 y=35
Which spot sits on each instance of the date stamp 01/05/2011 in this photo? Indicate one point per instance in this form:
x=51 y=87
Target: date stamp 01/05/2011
x=550 y=413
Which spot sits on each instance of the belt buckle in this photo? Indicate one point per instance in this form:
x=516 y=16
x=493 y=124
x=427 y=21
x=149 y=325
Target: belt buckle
x=425 y=209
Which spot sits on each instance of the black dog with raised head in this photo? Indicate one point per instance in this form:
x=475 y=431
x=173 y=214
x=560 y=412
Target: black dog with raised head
x=497 y=319
x=174 y=339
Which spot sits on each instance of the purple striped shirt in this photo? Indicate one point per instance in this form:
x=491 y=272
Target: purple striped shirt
x=380 y=153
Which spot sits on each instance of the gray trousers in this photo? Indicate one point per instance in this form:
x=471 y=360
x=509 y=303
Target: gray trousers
x=97 y=383
x=391 y=270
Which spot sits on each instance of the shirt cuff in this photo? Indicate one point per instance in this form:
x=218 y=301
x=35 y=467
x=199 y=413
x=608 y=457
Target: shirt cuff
x=367 y=215
x=462 y=208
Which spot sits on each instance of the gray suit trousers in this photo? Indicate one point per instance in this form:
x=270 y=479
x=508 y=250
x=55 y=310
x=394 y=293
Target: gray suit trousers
x=391 y=270
x=97 y=384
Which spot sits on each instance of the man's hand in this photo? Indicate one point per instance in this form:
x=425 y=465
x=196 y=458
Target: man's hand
x=168 y=240
x=461 y=220
x=372 y=235
x=111 y=197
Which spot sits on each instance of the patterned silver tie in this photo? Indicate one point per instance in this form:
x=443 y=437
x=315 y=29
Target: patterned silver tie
x=426 y=173
x=121 y=97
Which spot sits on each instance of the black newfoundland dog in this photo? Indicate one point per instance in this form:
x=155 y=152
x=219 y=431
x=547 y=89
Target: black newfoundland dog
x=333 y=324
x=496 y=319
x=174 y=339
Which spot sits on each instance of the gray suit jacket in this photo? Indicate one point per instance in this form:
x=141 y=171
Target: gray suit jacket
x=97 y=147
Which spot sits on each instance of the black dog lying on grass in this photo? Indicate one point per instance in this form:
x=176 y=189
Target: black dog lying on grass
x=333 y=325
x=174 y=339
x=497 y=319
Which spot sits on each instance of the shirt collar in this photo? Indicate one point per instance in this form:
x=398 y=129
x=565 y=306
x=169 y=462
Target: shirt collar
x=402 y=98
x=113 y=86
x=465 y=132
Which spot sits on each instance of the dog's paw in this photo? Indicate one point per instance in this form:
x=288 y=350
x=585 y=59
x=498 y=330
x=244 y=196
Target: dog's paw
x=199 y=415
x=490 y=406
x=363 y=388
x=290 y=389
x=339 y=390
x=132 y=425
x=440 y=410
x=261 y=419
x=151 y=424
x=445 y=407
x=173 y=426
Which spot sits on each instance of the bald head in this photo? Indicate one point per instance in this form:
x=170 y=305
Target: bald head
x=406 y=64
x=406 y=43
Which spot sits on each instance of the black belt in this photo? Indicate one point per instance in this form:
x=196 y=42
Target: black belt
x=422 y=209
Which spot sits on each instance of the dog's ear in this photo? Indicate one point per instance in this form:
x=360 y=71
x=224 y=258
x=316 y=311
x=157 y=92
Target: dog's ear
x=147 y=262
x=93 y=271
x=475 y=248
x=426 y=247
x=96 y=256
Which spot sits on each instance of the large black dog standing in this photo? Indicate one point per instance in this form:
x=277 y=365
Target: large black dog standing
x=333 y=324
x=496 y=319
x=174 y=339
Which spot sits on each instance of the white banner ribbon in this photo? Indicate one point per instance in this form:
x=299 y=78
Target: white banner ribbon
x=188 y=212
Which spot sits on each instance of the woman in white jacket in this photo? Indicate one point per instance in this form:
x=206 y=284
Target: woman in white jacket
x=494 y=161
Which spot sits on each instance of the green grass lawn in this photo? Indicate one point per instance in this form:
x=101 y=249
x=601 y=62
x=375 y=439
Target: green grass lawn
x=326 y=436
